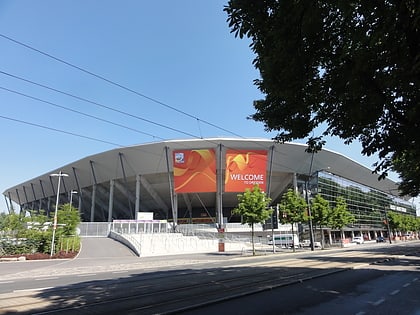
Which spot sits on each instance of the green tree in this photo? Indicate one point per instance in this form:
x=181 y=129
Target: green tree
x=292 y=209
x=349 y=67
x=395 y=221
x=320 y=211
x=69 y=218
x=253 y=208
x=12 y=224
x=340 y=216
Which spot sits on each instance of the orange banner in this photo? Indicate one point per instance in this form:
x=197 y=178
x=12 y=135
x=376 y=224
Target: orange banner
x=194 y=171
x=244 y=169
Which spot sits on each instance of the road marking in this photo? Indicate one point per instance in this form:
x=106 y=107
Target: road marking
x=378 y=302
x=3 y=282
x=46 y=278
x=394 y=292
x=87 y=275
x=360 y=313
x=34 y=289
x=406 y=285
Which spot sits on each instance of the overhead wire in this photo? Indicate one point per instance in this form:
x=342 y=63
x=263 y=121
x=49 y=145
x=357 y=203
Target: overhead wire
x=116 y=84
x=61 y=131
x=79 y=112
x=102 y=106
x=98 y=104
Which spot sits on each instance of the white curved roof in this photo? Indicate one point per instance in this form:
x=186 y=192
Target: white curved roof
x=150 y=162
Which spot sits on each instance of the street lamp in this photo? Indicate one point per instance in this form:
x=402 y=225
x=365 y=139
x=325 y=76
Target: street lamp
x=71 y=198
x=311 y=228
x=59 y=175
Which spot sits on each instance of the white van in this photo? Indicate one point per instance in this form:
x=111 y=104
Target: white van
x=284 y=240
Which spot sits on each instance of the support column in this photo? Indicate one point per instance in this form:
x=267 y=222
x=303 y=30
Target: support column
x=11 y=210
x=79 y=191
x=270 y=171
x=137 y=205
x=92 y=207
x=219 y=188
x=174 y=203
x=111 y=199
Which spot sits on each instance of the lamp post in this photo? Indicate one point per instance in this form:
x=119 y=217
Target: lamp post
x=59 y=175
x=311 y=228
x=71 y=198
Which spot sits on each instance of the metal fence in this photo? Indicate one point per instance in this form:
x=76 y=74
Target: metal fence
x=140 y=226
x=94 y=229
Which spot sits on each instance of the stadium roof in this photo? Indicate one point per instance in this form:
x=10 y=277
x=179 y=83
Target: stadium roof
x=151 y=162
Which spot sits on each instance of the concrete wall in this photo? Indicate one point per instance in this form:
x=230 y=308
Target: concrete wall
x=174 y=243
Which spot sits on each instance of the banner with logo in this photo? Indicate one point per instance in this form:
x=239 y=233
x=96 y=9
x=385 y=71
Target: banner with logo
x=244 y=169
x=194 y=171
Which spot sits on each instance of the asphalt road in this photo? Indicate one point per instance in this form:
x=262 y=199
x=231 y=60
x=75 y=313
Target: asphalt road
x=362 y=291
x=106 y=278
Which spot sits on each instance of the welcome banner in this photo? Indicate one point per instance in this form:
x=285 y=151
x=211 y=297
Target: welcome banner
x=194 y=171
x=244 y=169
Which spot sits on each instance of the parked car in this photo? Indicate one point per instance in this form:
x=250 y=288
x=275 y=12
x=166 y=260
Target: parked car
x=358 y=240
x=380 y=239
x=284 y=240
x=307 y=243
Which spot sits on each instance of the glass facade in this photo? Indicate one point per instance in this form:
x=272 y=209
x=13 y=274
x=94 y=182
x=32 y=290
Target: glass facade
x=368 y=205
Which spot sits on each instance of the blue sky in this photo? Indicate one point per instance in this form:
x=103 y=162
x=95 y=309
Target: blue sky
x=188 y=71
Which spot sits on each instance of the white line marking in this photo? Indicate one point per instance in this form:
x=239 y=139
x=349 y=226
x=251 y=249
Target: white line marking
x=87 y=275
x=121 y=271
x=46 y=278
x=394 y=292
x=29 y=290
x=3 y=282
x=378 y=302
x=406 y=285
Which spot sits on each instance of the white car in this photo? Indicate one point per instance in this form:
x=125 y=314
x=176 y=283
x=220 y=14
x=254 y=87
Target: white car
x=358 y=240
x=307 y=243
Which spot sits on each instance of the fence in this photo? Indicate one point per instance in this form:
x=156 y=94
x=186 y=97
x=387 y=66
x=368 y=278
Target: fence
x=94 y=229
x=140 y=226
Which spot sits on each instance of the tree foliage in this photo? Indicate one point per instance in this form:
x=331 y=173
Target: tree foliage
x=402 y=222
x=340 y=216
x=24 y=235
x=69 y=217
x=253 y=208
x=292 y=208
x=320 y=211
x=350 y=66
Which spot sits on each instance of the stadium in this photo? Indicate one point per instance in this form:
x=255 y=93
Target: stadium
x=197 y=181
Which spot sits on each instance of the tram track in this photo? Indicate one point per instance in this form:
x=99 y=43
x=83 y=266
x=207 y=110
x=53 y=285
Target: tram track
x=156 y=295
x=166 y=292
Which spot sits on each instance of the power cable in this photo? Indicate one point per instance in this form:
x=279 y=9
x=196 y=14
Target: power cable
x=61 y=131
x=79 y=112
x=106 y=107
x=99 y=104
x=116 y=84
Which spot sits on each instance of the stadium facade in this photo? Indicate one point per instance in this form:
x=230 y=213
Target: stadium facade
x=197 y=181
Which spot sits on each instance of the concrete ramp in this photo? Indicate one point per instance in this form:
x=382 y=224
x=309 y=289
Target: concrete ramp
x=103 y=247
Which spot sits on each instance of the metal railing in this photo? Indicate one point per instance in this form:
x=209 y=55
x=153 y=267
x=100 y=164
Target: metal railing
x=140 y=226
x=94 y=229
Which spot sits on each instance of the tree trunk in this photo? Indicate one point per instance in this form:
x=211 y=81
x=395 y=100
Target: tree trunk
x=293 y=238
x=252 y=239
